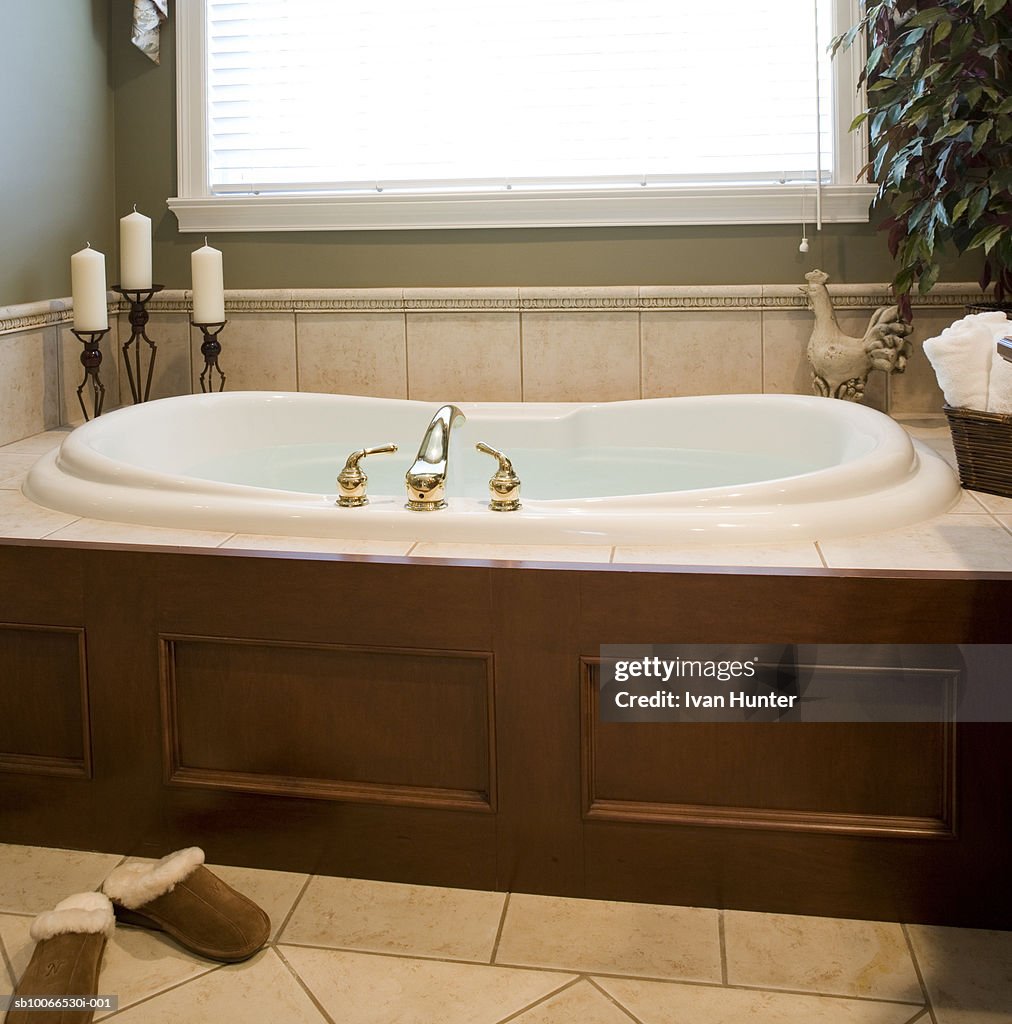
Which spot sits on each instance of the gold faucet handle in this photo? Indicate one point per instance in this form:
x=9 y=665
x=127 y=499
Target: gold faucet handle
x=351 y=481
x=504 y=487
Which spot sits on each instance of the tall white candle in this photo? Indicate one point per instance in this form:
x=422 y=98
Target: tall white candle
x=91 y=301
x=135 y=250
x=208 y=285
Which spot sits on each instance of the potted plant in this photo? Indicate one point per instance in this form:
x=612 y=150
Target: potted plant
x=939 y=113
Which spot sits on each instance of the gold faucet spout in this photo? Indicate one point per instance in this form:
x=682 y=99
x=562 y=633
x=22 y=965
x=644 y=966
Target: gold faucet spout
x=425 y=481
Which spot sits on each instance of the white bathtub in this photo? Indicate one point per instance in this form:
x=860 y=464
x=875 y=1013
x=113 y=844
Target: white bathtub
x=728 y=468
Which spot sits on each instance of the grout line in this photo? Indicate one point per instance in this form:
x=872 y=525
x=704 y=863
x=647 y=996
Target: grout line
x=723 y=947
x=540 y=1001
x=921 y=1016
x=920 y=975
x=291 y=910
x=8 y=965
x=639 y=348
x=302 y=984
x=607 y=995
x=298 y=382
x=520 y=338
x=502 y=923
x=164 y=991
x=407 y=357
x=414 y=544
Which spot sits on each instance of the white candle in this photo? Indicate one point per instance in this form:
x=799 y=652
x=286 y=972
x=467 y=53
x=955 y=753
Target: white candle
x=135 y=251
x=91 y=301
x=208 y=285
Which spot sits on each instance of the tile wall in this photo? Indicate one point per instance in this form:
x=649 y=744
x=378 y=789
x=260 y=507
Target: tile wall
x=489 y=344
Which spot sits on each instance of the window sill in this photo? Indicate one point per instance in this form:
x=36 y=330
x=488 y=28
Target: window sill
x=764 y=204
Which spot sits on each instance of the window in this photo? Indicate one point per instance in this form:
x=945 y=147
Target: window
x=305 y=114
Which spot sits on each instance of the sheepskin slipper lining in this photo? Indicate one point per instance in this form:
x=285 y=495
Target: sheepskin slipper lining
x=180 y=897
x=70 y=941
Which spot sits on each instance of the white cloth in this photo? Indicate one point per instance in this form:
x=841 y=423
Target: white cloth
x=962 y=357
x=148 y=18
x=999 y=389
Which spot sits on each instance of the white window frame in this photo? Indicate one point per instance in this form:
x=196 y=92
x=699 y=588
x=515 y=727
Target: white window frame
x=845 y=201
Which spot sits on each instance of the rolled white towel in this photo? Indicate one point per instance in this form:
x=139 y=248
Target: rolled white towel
x=999 y=388
x=961 y=357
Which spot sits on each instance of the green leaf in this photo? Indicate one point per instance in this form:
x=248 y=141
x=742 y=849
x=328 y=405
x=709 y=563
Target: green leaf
x=927 y=17
x=942 y=31
x=960 y=207
x=987 y=237
x=933 y=69
x=977 y=204
x=989 y=51
x=858 y=121
x=881 y=85
x=992 y=7
x=980 y=134
x=961 y=39
x=1005 y=107
x=928 y=278
x=948 y=130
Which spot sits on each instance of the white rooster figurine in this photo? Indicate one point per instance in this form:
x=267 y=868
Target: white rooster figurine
x=840 y=363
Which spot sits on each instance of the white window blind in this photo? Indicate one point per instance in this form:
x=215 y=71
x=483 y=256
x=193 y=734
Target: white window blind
x=317 y=96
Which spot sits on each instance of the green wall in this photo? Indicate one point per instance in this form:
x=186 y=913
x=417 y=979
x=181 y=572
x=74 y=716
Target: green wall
x=146 y=175
x=57 y=167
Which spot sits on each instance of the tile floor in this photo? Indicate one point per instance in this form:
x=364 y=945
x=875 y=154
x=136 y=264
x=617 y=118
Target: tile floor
x=348 y=951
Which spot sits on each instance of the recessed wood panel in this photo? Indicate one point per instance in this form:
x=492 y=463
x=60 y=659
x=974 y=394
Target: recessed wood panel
x=395 y=726
x=43 y=701
x=890 y=778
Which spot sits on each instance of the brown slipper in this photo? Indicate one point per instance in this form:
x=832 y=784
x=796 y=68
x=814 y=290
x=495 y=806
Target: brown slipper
x=179 y=896
x=70 y=942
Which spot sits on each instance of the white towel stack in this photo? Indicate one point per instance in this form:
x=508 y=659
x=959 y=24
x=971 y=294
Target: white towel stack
x=969 y=372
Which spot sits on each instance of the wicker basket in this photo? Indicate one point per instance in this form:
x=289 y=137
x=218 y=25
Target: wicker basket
x=983 y=443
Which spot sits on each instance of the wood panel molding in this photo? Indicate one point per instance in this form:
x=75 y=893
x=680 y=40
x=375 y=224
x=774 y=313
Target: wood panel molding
x=73 y=705
x=597 y=807
x=385 y=792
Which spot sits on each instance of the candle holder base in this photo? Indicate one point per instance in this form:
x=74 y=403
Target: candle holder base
x=91 y=360
x=210 y=349
x=139 y=299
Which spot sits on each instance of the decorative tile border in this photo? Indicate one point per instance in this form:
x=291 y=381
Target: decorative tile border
x=502 y=300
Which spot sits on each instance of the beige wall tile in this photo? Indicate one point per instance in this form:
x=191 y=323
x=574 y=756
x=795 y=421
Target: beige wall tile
x=581 y=357
x=786 y=369
x=353 y=354
x=820 y=954
x=72 y=374
x=685 y=353
x=658 y=1003
x=29 y=383
x=611 y=938
x=170 y=332
x=355 y=988
x=465 y=357
x=916 y=390
x=257 y=353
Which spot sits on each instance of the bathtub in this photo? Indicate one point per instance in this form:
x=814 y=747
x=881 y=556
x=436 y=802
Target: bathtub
x=727 y=468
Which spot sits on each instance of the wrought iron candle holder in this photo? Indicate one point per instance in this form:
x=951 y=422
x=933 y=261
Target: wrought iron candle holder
x=139 y=299
x=210 y=349
x=91 y=360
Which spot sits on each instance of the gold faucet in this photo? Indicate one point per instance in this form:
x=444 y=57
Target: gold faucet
x=351 y=481
x=504 y=487
x=426 y=479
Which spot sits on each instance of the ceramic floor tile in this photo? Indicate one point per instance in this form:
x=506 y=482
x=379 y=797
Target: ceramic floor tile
x=37 y=444
x=136 y=964
x=389 y=917
x=275 y=891
x=994 y=502
x=653 y=1002
x=325 y=545
x=100 y=531
x=803 y=555
x=355 y=988
x=259 y=991
x=13 y=469
x=827 y=955
x=579 y=1004
x=36 y=878
x=20 y=517
x=968 y=973
x=611 y=938
x=948 y=542
x=969 y=504
x=514 y=552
